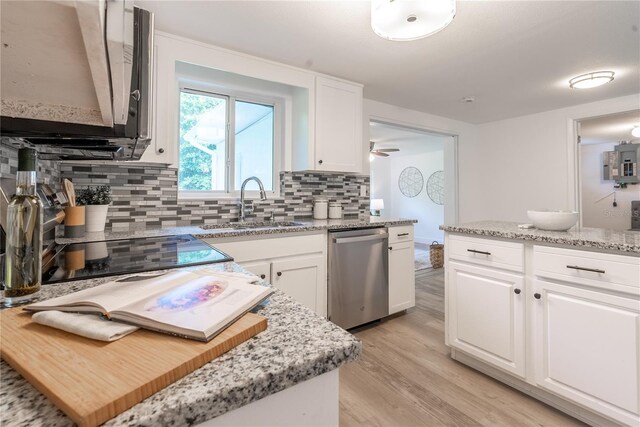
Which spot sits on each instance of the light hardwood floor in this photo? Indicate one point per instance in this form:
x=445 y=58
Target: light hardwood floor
x=405 y=376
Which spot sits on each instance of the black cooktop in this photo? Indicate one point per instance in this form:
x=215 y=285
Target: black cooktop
x=107 y=258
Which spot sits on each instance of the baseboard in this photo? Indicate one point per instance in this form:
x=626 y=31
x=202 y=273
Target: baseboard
x=550 y=399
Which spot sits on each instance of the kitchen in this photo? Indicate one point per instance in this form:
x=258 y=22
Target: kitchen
x=495 y=79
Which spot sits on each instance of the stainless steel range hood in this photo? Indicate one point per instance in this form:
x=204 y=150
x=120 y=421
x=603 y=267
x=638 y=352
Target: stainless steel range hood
x=118 y=128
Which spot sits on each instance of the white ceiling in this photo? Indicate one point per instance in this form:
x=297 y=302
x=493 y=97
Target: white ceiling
x=409 y=141
x=611 y=128
x=514 y=57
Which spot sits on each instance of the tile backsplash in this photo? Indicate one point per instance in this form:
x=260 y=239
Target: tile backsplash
x=47 y=173
x=145 y=195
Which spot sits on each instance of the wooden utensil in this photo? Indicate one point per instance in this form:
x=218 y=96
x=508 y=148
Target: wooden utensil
x=93 y=381
x=70 y=190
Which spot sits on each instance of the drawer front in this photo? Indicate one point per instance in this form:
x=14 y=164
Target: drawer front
x=615 y=272
x=494 y=253
x=402 y=233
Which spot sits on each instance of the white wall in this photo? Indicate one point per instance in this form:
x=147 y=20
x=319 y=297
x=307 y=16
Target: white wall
x=384 y=185
x=601 y=213
x=526 y=162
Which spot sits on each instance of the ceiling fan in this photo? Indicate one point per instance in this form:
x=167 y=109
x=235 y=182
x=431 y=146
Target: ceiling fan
x=380 y=152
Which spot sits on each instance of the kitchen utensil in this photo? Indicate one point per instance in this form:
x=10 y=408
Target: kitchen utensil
x=70 y=190
x=92 y=381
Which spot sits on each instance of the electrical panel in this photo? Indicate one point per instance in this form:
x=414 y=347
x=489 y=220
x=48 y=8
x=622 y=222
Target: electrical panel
x=621 y=165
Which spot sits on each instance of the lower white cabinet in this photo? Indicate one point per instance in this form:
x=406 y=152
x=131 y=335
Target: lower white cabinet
x=402 y=281
x=296 y=264
x=486 y=315
x=564 y=322
x=587 y=348
x=301 y=278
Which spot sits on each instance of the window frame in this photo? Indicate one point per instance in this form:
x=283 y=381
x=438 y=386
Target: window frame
x=232 y=96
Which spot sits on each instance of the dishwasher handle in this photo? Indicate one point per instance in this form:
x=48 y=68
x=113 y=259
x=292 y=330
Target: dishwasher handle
x=380 y=236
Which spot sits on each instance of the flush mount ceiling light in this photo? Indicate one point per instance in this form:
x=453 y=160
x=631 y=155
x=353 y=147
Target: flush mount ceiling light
x=589 y=80
x=636 y=131
x=404 y=20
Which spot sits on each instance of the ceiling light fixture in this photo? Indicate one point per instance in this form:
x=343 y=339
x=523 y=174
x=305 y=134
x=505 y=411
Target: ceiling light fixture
x=589 y=80
x=405 y=20
x=636 y=131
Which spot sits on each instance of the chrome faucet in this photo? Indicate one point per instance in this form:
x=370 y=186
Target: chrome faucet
x=263 y=195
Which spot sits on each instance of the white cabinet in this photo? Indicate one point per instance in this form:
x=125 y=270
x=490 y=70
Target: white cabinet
x=587 y=348
x=563 y=323
x=296 y=264
x=486 y=315
x=402 y=279
x=338 y=126
x=301 y=278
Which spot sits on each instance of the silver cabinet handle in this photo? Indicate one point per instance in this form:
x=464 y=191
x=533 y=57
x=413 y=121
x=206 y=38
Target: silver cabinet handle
x=478 y=252
x=593 y=270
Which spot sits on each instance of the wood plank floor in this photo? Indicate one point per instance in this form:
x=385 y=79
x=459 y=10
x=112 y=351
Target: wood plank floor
x=405 y=376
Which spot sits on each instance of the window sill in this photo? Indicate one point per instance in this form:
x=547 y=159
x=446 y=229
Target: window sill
x=249 y=195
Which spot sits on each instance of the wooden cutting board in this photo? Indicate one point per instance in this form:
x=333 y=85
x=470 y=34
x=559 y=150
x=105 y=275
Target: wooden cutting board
x=93 y=381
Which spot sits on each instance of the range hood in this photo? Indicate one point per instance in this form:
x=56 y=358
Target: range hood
x=77 y=77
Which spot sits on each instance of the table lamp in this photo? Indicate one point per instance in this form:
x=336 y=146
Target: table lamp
x=376 y=206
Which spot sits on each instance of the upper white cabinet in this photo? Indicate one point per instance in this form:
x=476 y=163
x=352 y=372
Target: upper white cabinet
x=338 y=126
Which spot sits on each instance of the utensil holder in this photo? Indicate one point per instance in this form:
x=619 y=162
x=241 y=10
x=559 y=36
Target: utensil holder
x=74 y=221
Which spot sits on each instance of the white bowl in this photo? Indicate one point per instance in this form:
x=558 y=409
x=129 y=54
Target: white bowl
x=553 y=220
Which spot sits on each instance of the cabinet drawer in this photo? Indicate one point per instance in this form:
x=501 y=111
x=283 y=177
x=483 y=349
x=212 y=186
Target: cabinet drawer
x=615 y=272
x=494 y=253
x=402 y=233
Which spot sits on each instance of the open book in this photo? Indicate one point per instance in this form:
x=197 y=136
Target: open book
x=195 y=304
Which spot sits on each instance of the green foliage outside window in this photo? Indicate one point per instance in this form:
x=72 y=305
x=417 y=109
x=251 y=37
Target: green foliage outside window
x=195 y=165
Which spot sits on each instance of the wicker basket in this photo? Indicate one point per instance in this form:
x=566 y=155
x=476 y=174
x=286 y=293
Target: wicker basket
x=436 y=255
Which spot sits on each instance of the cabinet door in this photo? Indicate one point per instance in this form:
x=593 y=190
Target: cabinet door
x=261 y=269
x=587 y=348
x=338 y=144
x=304 y=279
x=402 y=279
x=486 y=315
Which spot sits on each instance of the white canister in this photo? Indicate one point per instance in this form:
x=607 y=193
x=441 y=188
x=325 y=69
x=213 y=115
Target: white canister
x=335 y=210
x=320 y=208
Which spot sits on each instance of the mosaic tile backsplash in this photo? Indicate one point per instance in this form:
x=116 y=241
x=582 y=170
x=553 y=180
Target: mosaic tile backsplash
x=146 y=196
x=47 y=173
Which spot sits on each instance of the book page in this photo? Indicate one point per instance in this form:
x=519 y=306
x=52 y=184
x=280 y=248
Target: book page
x=202 y=304
x=113 y=295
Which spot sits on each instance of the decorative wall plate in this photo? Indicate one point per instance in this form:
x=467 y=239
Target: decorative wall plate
x=435 y=187
x=410 y=182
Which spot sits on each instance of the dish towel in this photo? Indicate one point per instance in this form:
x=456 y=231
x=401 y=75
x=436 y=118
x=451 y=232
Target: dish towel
x=85 y=325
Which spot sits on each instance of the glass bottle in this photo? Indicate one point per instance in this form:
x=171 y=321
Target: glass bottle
x=23 y=265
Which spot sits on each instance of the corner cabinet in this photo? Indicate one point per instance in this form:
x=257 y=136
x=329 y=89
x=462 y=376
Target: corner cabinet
x=562 y=325
x=402 y=281
x=338 y=126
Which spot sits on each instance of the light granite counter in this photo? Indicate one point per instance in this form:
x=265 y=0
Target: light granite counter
x=597 y=238
x=233 y=230
x=298 y=345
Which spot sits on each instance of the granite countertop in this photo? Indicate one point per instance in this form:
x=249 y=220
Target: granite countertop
x=232 y=230
x=297 y=345
x=599 y=238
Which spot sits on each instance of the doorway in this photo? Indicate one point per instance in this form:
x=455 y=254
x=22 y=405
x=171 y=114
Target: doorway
x=608 y=178
x=408 y=180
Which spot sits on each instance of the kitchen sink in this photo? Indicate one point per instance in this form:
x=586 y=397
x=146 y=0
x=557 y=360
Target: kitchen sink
x=251 y=225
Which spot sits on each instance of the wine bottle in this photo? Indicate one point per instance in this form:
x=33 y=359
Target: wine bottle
x=23 y=265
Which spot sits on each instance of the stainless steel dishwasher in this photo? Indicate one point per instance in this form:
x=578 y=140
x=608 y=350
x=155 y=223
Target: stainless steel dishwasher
x=358 y=276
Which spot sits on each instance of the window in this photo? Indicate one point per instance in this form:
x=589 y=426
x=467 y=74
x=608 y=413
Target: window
x=223 y=141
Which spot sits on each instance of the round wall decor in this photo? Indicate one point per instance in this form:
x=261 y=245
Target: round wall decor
x=435 y=187
x=410 y=182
